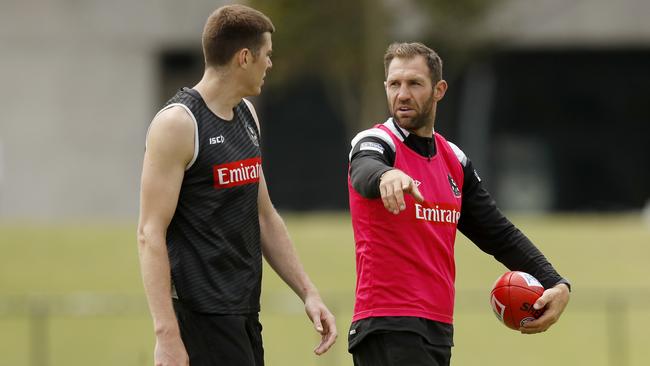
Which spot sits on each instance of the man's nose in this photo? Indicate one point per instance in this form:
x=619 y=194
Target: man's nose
x=403 y=93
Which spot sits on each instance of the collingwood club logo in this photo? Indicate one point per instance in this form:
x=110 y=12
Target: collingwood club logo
x=252 y=134
x=454 y=186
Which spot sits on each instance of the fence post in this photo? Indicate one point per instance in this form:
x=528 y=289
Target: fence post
x=39 y=335
x=617 y=331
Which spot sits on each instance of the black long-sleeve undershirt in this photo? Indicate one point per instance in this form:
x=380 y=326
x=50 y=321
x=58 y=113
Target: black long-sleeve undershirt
x=480 y=219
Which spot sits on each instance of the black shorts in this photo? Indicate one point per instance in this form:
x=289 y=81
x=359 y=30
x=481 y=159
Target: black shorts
x=223 y=340
x=394 y=348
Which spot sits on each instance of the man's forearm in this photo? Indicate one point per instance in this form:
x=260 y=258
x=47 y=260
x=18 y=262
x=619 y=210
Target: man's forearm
x=283 y=258
x=281 y=254
x=365 y=171
x=155 y=270
x=484 y=224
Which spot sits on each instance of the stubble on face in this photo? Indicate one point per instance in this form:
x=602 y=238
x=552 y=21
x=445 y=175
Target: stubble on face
x=411 y=96
x=421 y=117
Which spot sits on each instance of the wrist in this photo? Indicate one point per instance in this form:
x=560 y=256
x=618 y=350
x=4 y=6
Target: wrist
x=167 y=330
x=310 y=293
x=381 y=176
x=386 y=172
x=565 y=283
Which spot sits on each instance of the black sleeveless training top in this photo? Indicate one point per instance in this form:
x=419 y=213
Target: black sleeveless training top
x=213 y=239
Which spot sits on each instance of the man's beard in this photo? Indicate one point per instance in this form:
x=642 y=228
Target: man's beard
x=420 y=119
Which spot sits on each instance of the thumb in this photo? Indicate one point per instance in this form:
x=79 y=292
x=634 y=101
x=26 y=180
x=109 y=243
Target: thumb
x=315 y=318
x=318 y=325
x=542 y=301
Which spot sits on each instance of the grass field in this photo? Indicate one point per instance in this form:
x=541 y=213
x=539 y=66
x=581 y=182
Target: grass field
x=93 y=311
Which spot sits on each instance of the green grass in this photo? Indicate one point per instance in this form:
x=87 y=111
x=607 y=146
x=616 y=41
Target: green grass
x=73 y=265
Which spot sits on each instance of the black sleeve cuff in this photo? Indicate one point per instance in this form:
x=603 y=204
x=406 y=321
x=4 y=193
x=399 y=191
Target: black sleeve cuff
x=564 y=281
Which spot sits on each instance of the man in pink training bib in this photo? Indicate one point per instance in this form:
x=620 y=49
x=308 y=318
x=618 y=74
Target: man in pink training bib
x=410 y=190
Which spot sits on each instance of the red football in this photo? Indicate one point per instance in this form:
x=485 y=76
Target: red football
x=513 y=296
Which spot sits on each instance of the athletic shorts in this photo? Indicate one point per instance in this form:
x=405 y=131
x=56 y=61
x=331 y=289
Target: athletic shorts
x=220 y=340
x=395 y=348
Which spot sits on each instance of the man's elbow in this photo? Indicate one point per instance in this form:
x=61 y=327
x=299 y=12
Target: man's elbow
x=267 y=214
x=360 y=188
x=147 y=235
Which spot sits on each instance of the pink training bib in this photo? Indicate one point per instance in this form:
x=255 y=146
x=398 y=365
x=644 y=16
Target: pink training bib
x=405 y=262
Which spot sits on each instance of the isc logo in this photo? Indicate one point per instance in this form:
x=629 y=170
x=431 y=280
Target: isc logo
x=216 y=140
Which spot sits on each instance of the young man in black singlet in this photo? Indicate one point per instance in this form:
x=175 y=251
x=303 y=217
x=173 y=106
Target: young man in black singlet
x=206 y=217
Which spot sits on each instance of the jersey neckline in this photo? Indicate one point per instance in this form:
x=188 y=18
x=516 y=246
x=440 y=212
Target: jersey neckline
x=196 y=95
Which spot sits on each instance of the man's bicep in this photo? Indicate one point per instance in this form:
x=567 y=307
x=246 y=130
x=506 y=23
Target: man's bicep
x=159 y=191
x=264 y=204
x=170 y=147
x=370 y=158
x=481 y=221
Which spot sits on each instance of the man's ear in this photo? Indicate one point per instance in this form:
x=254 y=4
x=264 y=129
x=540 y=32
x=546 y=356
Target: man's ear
x=439 y=90
x=244 y=57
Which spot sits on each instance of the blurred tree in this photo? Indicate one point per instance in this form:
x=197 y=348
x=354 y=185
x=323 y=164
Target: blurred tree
x=342 y=42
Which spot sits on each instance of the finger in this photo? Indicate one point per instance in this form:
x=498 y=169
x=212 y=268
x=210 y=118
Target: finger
x=389 y=201
x=382 y=190
x=540 y=324
x=543 y=300
x=534 y=330
x=329 y=337
x=550 y=317
x=396 y=196
x=535 y=324
x=399 y=197
x=415 y=192
x=530 y=330
x=315 y=317
x=317 y=325
x=320 y=348
x=326 y=343
x=384 y=196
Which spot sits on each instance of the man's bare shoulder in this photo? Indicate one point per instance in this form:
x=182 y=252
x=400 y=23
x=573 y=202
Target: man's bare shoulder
x=175 y=118
x=172 y=131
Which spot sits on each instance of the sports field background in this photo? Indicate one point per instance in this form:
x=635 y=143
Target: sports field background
x=74 y=291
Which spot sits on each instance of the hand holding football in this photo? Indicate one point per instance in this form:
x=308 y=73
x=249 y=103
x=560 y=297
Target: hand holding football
x=513 y=296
